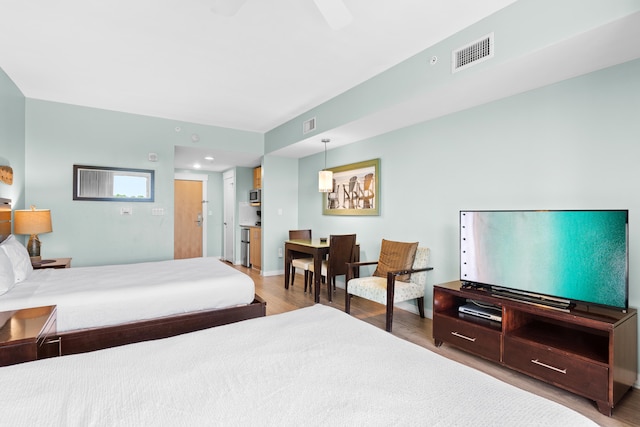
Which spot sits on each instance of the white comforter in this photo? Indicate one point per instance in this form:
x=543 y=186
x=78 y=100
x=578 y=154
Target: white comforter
x=313 y=366
x=108 y=295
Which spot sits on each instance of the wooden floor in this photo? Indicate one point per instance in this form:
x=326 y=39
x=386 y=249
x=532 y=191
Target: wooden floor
x=412 y=328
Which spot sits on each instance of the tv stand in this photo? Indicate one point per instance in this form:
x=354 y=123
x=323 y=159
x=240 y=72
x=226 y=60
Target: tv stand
x=590 y=351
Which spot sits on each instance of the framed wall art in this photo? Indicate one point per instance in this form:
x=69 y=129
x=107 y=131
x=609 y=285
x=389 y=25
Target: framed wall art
x=356 y=190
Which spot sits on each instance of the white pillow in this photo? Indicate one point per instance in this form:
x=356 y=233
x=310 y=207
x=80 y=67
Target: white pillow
x=19 y=258
x=7 y=279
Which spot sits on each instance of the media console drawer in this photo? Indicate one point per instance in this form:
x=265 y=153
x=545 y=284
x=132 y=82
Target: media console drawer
x=589 y=351
x=468 y=336
x=548 y=364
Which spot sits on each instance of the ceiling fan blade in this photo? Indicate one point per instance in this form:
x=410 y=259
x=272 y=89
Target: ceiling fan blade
x=227 y=7
x=335 y=13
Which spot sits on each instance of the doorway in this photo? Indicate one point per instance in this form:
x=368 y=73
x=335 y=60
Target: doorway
x=229 y=178
x=189 y=230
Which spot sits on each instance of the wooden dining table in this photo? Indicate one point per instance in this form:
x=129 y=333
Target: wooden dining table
x=318 y=249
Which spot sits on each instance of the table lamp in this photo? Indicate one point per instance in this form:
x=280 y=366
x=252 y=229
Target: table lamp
x=32 y=222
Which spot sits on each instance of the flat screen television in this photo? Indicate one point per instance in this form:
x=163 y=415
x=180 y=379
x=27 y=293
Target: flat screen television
x=557 y=257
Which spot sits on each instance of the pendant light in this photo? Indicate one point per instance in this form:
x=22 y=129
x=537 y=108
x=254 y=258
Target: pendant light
x=325 y=177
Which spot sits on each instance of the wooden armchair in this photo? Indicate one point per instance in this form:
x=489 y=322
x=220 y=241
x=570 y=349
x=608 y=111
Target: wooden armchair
x=398 y=285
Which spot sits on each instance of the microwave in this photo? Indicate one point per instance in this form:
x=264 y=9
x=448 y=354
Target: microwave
x=255 y=196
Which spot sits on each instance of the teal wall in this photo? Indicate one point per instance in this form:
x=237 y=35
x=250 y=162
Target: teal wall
x=423 y=187
x=523 y=28
x=94 y=233
x=12 y=126
x=280 y=208
x=572 y=145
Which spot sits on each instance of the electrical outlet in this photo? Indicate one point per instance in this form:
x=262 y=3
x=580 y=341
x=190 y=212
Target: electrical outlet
x=279 y=252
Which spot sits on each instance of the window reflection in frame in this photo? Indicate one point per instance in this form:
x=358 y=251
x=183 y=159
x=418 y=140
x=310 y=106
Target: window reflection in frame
x=111 y=184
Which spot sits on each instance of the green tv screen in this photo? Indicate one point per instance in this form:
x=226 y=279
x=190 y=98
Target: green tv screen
x=574 y=255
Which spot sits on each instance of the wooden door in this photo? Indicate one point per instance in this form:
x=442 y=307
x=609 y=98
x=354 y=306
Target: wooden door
x=188 y=219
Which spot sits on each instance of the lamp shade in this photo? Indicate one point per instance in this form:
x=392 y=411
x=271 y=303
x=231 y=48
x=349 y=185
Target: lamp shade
x=325 y=181
x=33 y=221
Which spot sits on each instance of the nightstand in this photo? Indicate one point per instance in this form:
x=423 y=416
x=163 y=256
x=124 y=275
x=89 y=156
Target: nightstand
x=28 y=334
x=53 y=263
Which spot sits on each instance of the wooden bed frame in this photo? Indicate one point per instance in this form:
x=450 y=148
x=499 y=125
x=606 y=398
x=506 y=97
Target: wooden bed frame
x=84 y=340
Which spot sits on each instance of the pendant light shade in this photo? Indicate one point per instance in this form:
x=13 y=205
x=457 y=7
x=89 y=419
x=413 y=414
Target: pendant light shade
x=325 y=177
x=325 y=181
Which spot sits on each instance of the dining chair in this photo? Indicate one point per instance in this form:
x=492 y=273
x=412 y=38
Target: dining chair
x=341 y=251
x=298 y=259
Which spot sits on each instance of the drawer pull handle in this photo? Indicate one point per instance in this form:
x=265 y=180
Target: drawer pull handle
x=553 y=368
x=464 y=337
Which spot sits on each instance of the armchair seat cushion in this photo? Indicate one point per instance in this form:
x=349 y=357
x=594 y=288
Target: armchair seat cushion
x=374 y=288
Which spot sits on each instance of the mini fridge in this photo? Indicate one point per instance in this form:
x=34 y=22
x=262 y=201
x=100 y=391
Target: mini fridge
x=244 y=247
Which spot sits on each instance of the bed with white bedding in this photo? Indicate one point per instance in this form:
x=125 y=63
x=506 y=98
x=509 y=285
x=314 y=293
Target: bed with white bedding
x=90 y=297
x=103 y=306
x=312 y=366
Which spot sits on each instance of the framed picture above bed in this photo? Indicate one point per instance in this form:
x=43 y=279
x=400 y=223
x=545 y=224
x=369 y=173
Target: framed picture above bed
x=111 y=184
x=356 y=190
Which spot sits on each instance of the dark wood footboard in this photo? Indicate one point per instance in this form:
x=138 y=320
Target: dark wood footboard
x=84 y=340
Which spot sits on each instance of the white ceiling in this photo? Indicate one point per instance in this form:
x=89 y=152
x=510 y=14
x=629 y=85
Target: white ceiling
x=178 y=59
x=188 y=60
x=197 y=158
x=243 y=64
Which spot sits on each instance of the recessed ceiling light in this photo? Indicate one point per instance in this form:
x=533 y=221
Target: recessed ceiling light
x=197 y=166
x=209 y=158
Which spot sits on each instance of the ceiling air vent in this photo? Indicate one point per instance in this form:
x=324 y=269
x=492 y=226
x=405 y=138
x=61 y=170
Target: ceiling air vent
x=472 y=54
x=309 y=125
